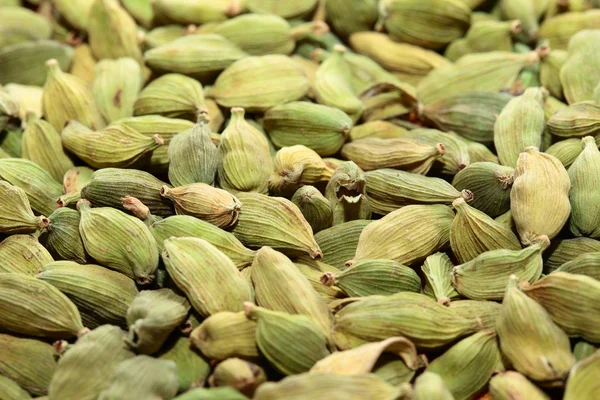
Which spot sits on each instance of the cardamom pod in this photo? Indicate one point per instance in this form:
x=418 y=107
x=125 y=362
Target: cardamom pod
x=315 y=208
x=74 y=180
x=566 y=151
x=506 y=385
x=431 y=386
x=567 y=250
x=579 y=75
x=583 y=175
x=437 y=271
x=23 y=254
x=484 y=312
x=16 y=215
x=339 y=242
x=192 y=368
x=346 y=194
x=582 y=383
x=296 y=166
x=287 y=10
x=116 y=86
x=585 y=264
x=242 y=375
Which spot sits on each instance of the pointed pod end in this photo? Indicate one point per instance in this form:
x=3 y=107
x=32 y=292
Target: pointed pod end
x=320 y=27
x=83 y=332
x=191 y=29
x=440 y=148
x=83 y=203
x=445 y=301
x=249 y=309
x=164 y=191
x=339 y=48
x=52 y=63
x=516 y=26
x=317 y=254
x=458 y=202
x=349 y=263
x=44 y=222
x=145 y=280
x=158 y=139
x=467 y=195
x=328 y=279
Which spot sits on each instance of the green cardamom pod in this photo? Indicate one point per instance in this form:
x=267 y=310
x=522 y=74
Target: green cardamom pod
x=566 y=250
x=23 y=254
x=192 y=368
x=16 y=215
x=239 y=374
x=583 y=174
x=315 y=208
x=566 y=151
x=285 y=10
x=585 y=264
x=506 y=385
x=483 y=311
x=339 y=242
x=74 y=180
x=437 y=270
x=296 y=166
x=577 y=86
x=346 y=192
x=431 y=386
x=582 y=383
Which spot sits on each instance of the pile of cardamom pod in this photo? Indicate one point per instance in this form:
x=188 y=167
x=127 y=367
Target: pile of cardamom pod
x=299 y=199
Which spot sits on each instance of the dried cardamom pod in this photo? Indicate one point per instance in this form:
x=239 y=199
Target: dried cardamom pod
x=484 y=312
x=226 y=334
x=583 y=174
x=217 y=286
x=193 y=156
x=315 y=208
x=569 y=299
x=532 y=343
x=485 y=36
x=539 y=198
x=196 y=12
x=74 y=180
x=16 y=215
x=204 y=202
x=380 y=129
x=437 y=270
x=431 y=386
x=11 y=389
x=390 y=189
x=192 y=368
x=28 y=362
x=217 y=393
x=583 y=382
x=585 y=264
x=456 y=155
x=83 y=65
x=519 y=125
x=242 y=375
x=162 y=34
x=506 y=385
x=296 y=166
x=152 y=315
x=48 y=312
x=116 y=86
x=313 y=270
x=576 y=120
x=406 y=235
x=101 y=295
x=374 y=277
x=28 y=98
x=19 y=24
x=276 y=329
x=566 y=151
x=559 y=29
x=241 y=144
x=275 y=222
x=475 y=357
x=568 y=250
x=579 y=75
x=339 y=242
x=346 y=194
x=287 y=10
x=550 y=65
x=583 y=349
x=23 y=254
x=118 y=241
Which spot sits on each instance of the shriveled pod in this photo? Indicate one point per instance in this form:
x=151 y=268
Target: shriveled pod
x=296 y=166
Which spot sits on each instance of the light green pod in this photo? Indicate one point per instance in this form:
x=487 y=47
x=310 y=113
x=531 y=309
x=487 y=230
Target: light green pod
x=508 y=384
x=23 y=254
x=101 y=295
x=346 y=192
x=567 y=250
x=162 y=34
x=566 y=151
x=16 y=215
x=152 y=316
x=192 y=368
x=576 y=120
x=348 y=17
x=19 y=24
x=28 y=98
x=42 y=190
x=485 y=36
x=10 y=141
x=559 y=29
x=118 y=241
x=41 y=143
x=195 y=12
x=584 y=264
x=285 y=10
x=68 y=98
x=116 y=87
x=242 y=375
x=315 y=208
x=216 y=393
x=339 y=242
x=437 y=271
x=579 y=74
x=76 y=13
x=431 y=386
x=64 y=240
x=117 y=145
x=141 y=10
x=171 y=95
x=484 y=312
x=582 y=383
x=11 y=390
x=74 y=181
x=550 y=66
x=583 y=174
x=218 y=286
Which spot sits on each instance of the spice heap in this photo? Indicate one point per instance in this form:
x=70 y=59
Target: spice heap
x=299 y=199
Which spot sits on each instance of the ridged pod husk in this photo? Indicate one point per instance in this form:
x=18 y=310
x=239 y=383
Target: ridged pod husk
x=380 y=129
x=473 y=232
x=483 y=72
x=525 y=12
x=470 y=114
x=112 y=31
x=406 y=154
x=315 y=208
x=192 y=368
x=327 y=386
x=41 y=189
x=579 y=75
x=349 y=17
x=217 y=286
x=296 y=166
x=437 y=271
x=48 y=312
x=571 y=300
x=484 y=277
x=339 y=242
x=28 y=98
x=456 y=154
x=84 y=63
x=187 y=226
x=585 y=264
x=321 y=128
x=152 y=315
x=415 y=316
x=550 y=66
x=508 y=385
x=205 y=202
x=280 y=286
x=23 y=63
x=162 y=35
x=576 y=120
x=275 y=222
x=116 y=86
x=467 y=366
x=216 y=393
x=374 y=277
x=68 y=98
x=583 y=380
x=566 y=151
x=431 y=24
x=490 y=184
x=16 y=215
x=226 y=334
x=346 y=194
x=275 y=330
x=240 y=145
x=478 y=152
x=41 y=143
x=20 y=24
x=199 y=56
x=530 y=340
x=519 y=125
x=242 y=375
x=76 y=13
x=333 y=84
x=484 y=36
x=109 y=186
x=567 y=250
x=148 y=377
x=117 y=145
x=390 y=189
x=406 y=235
x=73 y=181
x=313 y=270
x=28 y=362
x=63 y=239
x=173 y=96
x=11 y=141
x=484 y=312
x=101 y=295
x=396 y=57
x=193 y=156
x=11 y=389
x=431 y=386
x=23 y=254
x=118 y=241
x=558 y=30
x=585 y=181
x=539 y=198
x=101 y=350
x=285 y=10
x=583 y=349
x=258 y=83
x=195 y=12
